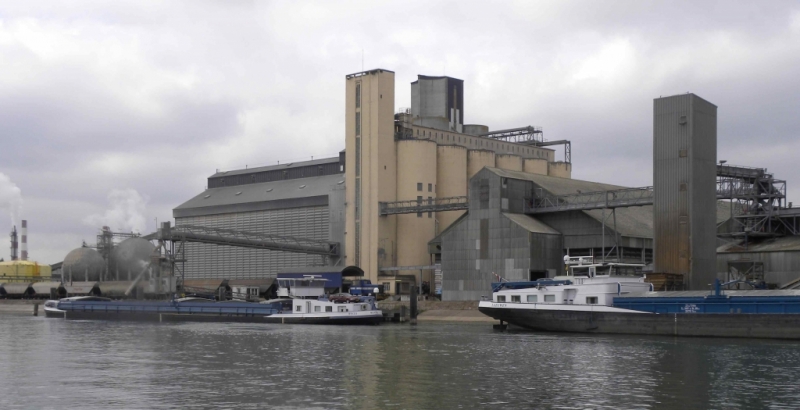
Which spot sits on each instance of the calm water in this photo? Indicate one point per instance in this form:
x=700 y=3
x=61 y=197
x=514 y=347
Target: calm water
x=52 y=363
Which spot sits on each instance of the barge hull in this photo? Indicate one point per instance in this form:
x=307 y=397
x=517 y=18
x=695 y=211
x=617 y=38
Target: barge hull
x=228 y=318
x=766 y=326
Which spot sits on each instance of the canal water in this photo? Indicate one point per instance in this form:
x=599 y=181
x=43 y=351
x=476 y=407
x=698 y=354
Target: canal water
x=57 y=364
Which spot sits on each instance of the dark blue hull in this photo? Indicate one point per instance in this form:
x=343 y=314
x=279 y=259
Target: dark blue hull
x=766 y=326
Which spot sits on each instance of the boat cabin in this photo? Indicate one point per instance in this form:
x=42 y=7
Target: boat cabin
x=585 y=284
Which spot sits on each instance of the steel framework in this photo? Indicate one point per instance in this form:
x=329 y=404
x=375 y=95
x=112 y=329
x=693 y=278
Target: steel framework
x=453 y=203
x=529 y=135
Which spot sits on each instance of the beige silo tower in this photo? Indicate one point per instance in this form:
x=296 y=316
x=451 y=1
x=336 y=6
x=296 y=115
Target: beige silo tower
x=535 y=166
x=451 y=169
x=417 y=159
x=477 y=159
x=508 y=162
x=371 y=170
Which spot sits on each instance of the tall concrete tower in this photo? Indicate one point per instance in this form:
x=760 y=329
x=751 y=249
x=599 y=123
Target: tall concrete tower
x=371 y=170
x=684 y=181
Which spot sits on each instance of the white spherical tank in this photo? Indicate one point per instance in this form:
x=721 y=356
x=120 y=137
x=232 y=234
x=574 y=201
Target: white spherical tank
x=509 y=162
x=416 y=180
x=477 y=159
x=82 y=264
x=451 y=169
x=129 y=257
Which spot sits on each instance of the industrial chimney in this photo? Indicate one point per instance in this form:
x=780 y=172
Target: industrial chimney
x=14 y=244
x=24 y=247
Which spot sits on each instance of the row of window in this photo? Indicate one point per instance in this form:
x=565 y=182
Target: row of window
x=431 y=187
x=442 y=137
x=590 y=300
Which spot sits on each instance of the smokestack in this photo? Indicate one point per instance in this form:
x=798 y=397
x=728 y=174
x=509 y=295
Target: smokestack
x=14 y=244
x=24 y=247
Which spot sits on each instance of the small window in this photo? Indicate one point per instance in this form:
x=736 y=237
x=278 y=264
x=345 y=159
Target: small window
x=515 y=298
x=363 y=307
x=591 y=300
x=343 y=308
x=501 y=298
x=318 y=308
x=419 y=186
x=550 y=298
x=533 y=298
x=298 y=308
x=329 y=308
x=430 y=187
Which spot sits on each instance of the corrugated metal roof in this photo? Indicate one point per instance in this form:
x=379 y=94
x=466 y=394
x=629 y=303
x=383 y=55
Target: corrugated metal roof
x=783 y=244
x=702 y=293
x=264 y=191
x=287 y=165
x=635 y=221
x=531 y=224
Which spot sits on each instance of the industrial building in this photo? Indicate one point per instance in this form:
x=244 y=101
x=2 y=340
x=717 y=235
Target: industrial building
x=417 y=196
x=425 y=155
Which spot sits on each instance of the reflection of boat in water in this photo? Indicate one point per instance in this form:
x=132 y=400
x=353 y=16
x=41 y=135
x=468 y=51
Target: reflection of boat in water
x=301 y=300
x=603 y=298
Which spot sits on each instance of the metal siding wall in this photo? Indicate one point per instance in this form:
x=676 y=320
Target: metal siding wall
x=275 y=175
x=703 y=193
x=779 y=267
x=215 y=261
x=684 y=172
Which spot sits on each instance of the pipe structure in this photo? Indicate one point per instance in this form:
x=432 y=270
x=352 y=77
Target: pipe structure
x=24 y=245
x=14 y=244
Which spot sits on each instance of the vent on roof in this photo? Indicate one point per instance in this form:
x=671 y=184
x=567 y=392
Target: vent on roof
x=207 y=196
x=269 y=189
x=302 y=186
x=289 y=164
x=340 y=182
x=239 y=193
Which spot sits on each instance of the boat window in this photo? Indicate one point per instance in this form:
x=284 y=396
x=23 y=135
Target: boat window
x=515 y=298
x=363 y=307
x=298 y=308
x=550 y=298
x=533 y=298
x=343 y=308
x=501 y=298
x=329 y=308
x=591 y=300
x=318 y=308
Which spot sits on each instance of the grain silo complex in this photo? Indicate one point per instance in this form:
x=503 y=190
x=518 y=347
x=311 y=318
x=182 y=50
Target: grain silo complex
x=418 y=197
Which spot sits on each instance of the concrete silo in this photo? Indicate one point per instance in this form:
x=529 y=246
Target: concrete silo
x=477 y=159
x=535 y=166
x=508 y=162
x=417 y=160
x=451 y=167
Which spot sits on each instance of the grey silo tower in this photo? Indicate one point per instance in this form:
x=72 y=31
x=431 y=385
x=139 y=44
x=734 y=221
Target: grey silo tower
x=684 y=183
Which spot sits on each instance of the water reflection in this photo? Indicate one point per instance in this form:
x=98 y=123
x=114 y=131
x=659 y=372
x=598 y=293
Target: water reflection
x=52 y=363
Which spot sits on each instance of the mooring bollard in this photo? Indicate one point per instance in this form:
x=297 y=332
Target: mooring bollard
x=36 y=309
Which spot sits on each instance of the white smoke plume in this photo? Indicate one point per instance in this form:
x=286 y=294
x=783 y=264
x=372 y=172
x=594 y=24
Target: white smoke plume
x=125 y=213
x=10 y=198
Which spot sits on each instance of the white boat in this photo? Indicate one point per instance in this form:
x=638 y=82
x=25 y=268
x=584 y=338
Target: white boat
x=614 y=298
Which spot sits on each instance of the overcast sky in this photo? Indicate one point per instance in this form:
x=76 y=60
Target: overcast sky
x=116 y=112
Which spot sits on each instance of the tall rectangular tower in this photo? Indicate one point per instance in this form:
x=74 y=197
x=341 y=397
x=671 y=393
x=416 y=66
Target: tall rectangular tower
x=371 y=172
x=684 y=182
x=438 y=102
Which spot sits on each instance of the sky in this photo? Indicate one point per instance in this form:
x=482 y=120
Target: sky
x=114 y=113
